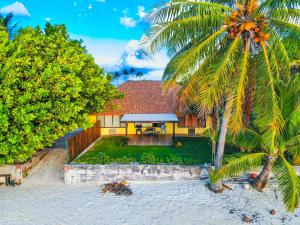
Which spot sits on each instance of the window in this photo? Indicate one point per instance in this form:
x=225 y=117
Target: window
x=147 y=125
x=116 y=121
x=110 y=121
x=101 y=119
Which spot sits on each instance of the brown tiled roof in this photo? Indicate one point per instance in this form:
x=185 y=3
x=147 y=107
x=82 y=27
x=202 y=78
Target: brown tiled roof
x=146 y=97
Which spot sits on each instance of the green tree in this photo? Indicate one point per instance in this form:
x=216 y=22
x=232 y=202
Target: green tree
x=271 y=148
x=227 y=50
x=48 y=85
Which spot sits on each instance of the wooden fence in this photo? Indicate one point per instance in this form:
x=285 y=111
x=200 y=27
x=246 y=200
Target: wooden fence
x=78 y=143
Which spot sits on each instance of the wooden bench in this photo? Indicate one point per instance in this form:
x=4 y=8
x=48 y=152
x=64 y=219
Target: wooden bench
x=7 y=178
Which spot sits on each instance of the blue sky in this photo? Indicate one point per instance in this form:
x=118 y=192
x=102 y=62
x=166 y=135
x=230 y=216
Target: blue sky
x=110 y=29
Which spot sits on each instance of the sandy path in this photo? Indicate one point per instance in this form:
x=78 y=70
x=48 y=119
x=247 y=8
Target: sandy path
x=49 y=171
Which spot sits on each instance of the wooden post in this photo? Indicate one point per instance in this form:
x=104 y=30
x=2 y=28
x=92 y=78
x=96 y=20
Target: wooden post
x=126 y=129
x=173 y=133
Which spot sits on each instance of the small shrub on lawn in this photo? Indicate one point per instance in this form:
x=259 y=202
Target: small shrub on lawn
x=190 y=161
x=149 y=158
x=125 y=160
x=174 y=159
x=102 y=158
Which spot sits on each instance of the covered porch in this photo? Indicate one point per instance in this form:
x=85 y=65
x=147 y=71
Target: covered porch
x=163 y=139
x=150 y=129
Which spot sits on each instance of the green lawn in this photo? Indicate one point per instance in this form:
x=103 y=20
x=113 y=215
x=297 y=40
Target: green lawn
x=193 y=151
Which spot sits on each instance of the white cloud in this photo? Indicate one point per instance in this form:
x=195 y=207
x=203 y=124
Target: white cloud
x=127 y=21
x=90 y=7
x=116 y=55
x=48 y=19
x=109 y=63
x=134 y=56
x=16 y=8
x=75 y=4
x=101 y=0
x=141 y=12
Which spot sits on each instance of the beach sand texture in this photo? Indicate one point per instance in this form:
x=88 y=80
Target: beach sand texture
x=44 y=199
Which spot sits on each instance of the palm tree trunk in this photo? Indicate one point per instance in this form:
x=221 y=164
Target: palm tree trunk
x=213 y=149
x=222 y=135
x=218 y=187
x=262 y=179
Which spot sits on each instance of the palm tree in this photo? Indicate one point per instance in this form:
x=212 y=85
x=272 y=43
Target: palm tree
x=132 y=70
x=227 y=50
x=116 y=76
x=7 y=23
x=125 y=72
x=139 y=74
x=271 y=146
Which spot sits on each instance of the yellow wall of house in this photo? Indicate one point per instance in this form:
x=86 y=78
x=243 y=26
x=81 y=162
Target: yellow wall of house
x=131 y=130
x=92 y=119
x=111 y=131
x=199 y=131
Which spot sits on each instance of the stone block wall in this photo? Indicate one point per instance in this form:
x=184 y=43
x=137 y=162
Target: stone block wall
x=131 y=172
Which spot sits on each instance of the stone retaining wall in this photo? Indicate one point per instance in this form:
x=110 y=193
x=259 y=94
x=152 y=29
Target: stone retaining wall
x=131 y=172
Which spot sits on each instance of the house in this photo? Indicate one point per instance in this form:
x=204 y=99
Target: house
x=147 y=104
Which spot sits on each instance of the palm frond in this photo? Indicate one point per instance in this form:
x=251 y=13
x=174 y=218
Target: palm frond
x=224 y=71
x=285 y=29
x=176 y=34
x=274 y=123
x=247 y=138
x=183 y=9
x=290 y=15
x=280 y=53
x=237 y=165
x=293 y=145
x=188 y=61
x=239 y=95
x=269 y=5
x=288 y=182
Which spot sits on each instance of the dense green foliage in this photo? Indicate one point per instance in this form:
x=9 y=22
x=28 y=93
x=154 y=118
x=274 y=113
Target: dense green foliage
x=114 y=149
x=48 y=84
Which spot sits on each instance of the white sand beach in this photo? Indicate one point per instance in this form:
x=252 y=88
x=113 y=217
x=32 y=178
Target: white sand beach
x=45 y=199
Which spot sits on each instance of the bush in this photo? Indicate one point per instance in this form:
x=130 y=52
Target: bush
x=103 y=158
x=125 y=160
x=174 y=159
x=149 y=158
x=190 y=161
